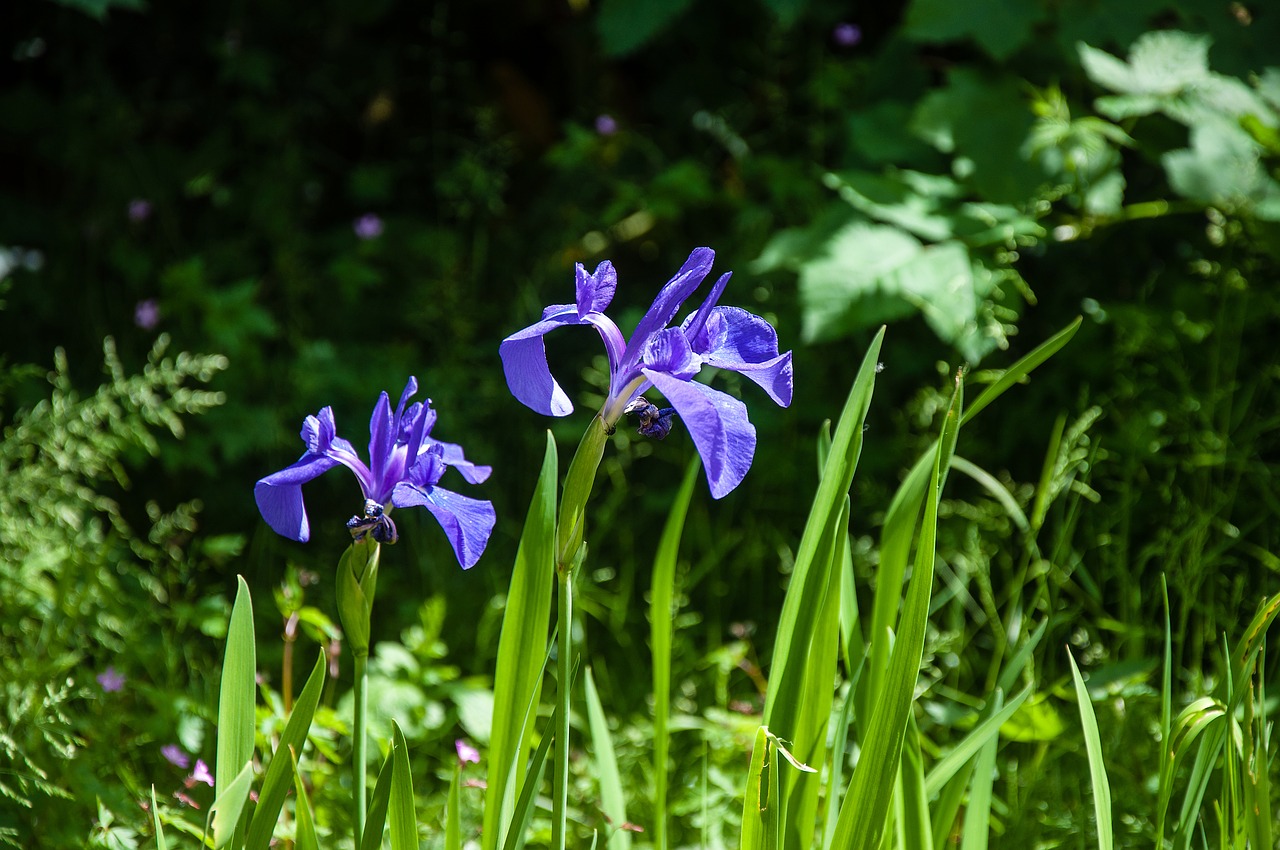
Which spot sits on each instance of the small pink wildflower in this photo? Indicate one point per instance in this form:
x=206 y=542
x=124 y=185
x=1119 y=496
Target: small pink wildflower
x=466 y=752
x=110 y=680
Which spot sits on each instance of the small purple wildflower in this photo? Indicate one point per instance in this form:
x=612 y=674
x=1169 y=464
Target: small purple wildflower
x=175 y=756
x=664 y=358
x=110 y=680
x=367 y=226
x=466 y=752
x=606 y=125
x=845 y=34
x=139 y=210
x=200 y=774
x=146 y=314
x=405 y=465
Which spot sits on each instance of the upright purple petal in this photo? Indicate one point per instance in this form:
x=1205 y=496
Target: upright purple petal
x=693 y=325
x=742 y=342
x=279 y=496
x=595 y=291
x=382 y=437
x=718 y=423
x=524 y=360
x=664 y=307
x=466 y=522
x=668 y=351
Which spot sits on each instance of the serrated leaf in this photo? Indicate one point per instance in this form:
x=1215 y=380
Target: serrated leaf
x=1163 y=62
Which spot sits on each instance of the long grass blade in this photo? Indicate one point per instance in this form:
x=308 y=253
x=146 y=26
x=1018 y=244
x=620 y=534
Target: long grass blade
x=865 y=809
x=522 y=814
x=161 y=844
x=276 y=783
x=915 y=826
x=755 y=799
x=802 y=674
x=402 y=815
x=236 y=719
x=1097 y=768
x=523 y=642
x=612 y=800
x=661 y=623
x=305 y=835
x=977 y=816
x=453 y=813
x=949 y=765
x=229 y=805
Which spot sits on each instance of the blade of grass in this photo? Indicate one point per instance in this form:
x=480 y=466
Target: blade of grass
x=376 y=819
x=523 y=811
x=802 y=674
x=161 y=844
x=229 y=805
x=518 y=676
x=661 y=622
x=612 y=800
x=236 y=720
x=865 y=808
x=453 y=814
x=835 y=769
x=276 y=783
x=401 y=813
x=917 y=829
x=900 y=520
x=977 y=815
x=754 y=802
x=1097 y=769
x=305 y=835
x=1166 y=720
x=949 y=765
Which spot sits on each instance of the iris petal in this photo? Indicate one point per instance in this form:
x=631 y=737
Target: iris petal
x=279 y=496
x=595 y=290
x=466 y=522
x=718 y=423
x=742 y=342
x=524 y=360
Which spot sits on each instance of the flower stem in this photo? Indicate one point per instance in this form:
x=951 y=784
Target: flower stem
x=359 y=763
x=564 y=672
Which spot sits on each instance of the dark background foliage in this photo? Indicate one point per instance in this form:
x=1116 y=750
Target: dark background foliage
x=259 y=134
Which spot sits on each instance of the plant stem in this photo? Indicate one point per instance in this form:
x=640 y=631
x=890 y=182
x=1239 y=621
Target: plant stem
x=564 y=670
x=359 y=761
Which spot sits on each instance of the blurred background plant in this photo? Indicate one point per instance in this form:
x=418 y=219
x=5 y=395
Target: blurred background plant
x=336 y=196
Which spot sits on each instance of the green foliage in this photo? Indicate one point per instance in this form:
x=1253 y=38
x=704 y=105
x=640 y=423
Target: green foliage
x=76 y=583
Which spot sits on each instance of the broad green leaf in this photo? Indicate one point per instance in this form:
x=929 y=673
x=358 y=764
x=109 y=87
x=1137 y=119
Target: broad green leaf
x=305 y=835
x=866 y=806
x=999 y=27
x=1097 y=767
x=625 y=26
x=984 y=119
x=613 y=801
x=1221 y=167
x=521 y=646
x=276 y=783
x=1162 y=62
x=161 y=844
x=229 y=805
x=662 y=614
x=842 y=290
x=401 y=813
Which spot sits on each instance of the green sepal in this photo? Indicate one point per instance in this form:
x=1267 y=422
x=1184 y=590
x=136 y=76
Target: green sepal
x=357 y=580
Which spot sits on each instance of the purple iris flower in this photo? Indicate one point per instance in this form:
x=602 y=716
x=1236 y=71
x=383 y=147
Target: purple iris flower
x=664 y=358
x=405 y=465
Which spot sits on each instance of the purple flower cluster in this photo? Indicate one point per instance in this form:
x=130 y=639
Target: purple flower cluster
x=664 y=358
x=405 y=466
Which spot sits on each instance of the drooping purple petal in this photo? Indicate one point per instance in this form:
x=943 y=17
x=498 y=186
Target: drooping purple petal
x=739 y=341
x=664 y=307
x=466 y=522
x=595 y=291
x=279 y=496
x=718 y=423
x=524 y=360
